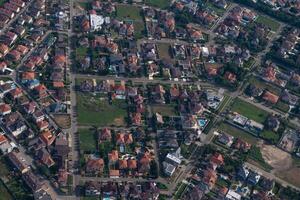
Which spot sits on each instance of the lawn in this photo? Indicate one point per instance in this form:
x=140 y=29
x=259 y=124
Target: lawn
x=88 y=141
x=249 y=63
x=224 y=103
x=272 y=24
x=163 y=50
x=238 y=133
x=180 y=190
x=282 y=106
x=264 y=85
x=81 y=52
x=128 y=12
x=219 y=11
x=270 y=136
x=5 y=195
x=163 y=4
x=165 y=110
x=95 y=111
x=2 y=2
x=249 y=110
x=139 y=29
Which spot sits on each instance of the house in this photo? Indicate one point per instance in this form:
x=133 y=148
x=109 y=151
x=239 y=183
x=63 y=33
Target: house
x=104 y=135
x=270 y=97
x=209 y=180
x=5 y=109
x=3 y=67
x=113 y=157
x=225 y=139
x=4 y=49
x=267 y=184
x=18 y=162
x=289 y=98
x=243 y=173
x=40 y=91
x=114 y=173
x=230 y=77
x=17 y=128
x=30 y=107
x=38 y=116
x=16 y=93
x=272 y=123
x=14 y=55
x=216 y=160
x=19 y=3
x=94 y=166
x=47 y=138
x=242 y=145
x=136 y=119
x=253 y=178
x=33 y=182
x=61 y=150
x=144 y=164
x=44 y=157
x=5 y=145
x=92 y=188
x=42 y=125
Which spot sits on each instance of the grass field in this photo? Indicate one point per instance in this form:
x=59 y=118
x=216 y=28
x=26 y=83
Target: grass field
x=264 y=85
x=163 y=4
x=94 y=111
x=180 y=190
x=165 y=110
x=272 y=24
x=139 y=29
x=88 y=141
x=5 y=195
x=282 y=106
x=163 y=50
x=238 y=133
x=128 y=12
x=270 y=136
x=249 y=110
x=256 y=156
x=219 y=11
x=81 y=52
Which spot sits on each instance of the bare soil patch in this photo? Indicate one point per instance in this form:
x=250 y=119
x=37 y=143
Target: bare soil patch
x=63 y=120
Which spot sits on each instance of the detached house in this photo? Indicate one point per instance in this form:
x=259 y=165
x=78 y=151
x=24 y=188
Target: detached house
x=94 y=166
x=5 y=109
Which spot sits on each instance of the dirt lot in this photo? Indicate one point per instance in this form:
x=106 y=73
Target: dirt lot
x=63 y=120
x=285 y=167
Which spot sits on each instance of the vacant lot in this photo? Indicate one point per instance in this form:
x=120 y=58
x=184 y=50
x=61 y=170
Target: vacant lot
x=278 y=159
x=163 y=4
x=92 y=110
x=163 y=50
x=63 y=120
x=238 y=133
x=81 y=53
x=272 y=24
x=165 y=110
x=5 y=195
x=128 y=12
x=88 y=140
x=249 y=110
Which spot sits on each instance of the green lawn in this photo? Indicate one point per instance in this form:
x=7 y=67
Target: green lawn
x=270 y=136
x=238 y=133
x=165 y=110
x=94 y=111
x=180 y=190
x=81 y=52
x=163 y=4
x=264 y=85
x=2 y=2
x=163 y=50
x=272 y=24
x=139 y=29
x=249 y=110
x=219 y=11
x=282 y=106
x=88 y=141
x=5 y=195
x=128 y=12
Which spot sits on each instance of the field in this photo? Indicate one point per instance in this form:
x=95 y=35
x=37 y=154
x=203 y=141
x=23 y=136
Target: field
x=292 y=175
x=81 y=53
x=88 y=141
x=282 y=106
x=163 y=4
x=5 y=195
x=94 y=111
x=219 y=11
x=238 y=133
x=264 y=85
x=257 y=158
x=163 y=50
x=139 y=29
x=63 y=120
x=164 y=110
x=128 y=12
x=249 y=110
x=270 y=136
x=272 y=24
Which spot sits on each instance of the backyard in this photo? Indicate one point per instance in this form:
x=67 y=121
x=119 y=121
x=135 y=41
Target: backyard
x=272 y=24
x=88 y=141
x=249 y=110
x=165 y=110
x=238 y=133
x=163 y=4
x=128 y=12
x=163 y=50
x=93 y=110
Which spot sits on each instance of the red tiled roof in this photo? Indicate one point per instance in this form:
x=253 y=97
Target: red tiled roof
x=270 y=97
